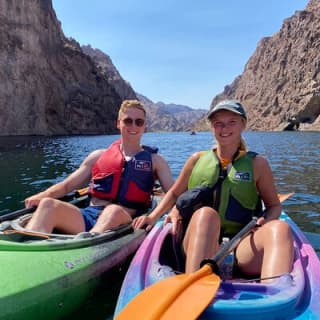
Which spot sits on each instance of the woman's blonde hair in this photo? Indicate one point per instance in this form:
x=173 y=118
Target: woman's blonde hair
x=128 y=104
x=243 y=145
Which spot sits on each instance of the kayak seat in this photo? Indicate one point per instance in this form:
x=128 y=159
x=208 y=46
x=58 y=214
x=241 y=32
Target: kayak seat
x=171 y=254
x=86 y=234
x=5 y=225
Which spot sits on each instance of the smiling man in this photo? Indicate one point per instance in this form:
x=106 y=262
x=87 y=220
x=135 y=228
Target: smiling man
x=121 y=180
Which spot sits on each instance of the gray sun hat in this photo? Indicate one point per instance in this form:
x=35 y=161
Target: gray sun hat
x=230 y=105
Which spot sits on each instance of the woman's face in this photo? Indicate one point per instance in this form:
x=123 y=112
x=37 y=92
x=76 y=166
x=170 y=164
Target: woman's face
x=227 y=127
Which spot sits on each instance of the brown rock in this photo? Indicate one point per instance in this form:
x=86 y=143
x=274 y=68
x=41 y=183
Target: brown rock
x=280 y=85
x=48 y=86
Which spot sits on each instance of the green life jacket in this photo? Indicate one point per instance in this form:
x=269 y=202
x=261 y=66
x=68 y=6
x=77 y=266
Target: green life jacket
x=235 y=195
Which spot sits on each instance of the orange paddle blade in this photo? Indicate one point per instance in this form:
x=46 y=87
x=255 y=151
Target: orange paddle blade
x=284 y=196
x=164 y=299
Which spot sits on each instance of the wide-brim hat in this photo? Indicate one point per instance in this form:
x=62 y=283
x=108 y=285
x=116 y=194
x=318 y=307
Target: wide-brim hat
x=229 y=105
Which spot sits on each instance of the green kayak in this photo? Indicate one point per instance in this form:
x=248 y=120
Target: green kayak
x=49 y=276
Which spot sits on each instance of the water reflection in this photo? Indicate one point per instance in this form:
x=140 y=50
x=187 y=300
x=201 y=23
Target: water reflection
x=30 y=164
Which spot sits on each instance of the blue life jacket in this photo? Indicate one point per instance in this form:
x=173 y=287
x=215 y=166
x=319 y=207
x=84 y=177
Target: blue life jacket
x=129 y=183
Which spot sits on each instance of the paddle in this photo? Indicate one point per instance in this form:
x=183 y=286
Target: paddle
x=68 y=197
x=284 y=196
x=178 y=295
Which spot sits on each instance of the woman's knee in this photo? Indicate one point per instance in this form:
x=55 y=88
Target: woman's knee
x=279 y=230
x=207 y=215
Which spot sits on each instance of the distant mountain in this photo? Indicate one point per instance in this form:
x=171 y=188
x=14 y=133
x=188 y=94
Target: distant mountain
x=169 y=117
x=161 y=116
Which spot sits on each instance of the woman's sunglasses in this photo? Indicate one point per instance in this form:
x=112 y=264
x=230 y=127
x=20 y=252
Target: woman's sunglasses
x=129 y=121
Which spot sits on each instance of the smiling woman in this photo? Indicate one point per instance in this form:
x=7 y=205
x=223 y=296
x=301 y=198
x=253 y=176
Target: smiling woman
x=241 y=180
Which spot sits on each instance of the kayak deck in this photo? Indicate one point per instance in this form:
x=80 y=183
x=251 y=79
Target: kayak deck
x=48 y=276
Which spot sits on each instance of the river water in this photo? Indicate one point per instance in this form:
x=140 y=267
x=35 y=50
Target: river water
x=30 y=164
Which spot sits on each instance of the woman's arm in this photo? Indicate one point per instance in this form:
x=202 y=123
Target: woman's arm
x=266 y=188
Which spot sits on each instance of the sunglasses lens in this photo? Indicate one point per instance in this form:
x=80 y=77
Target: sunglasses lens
x=139 y=122
x=128 y=121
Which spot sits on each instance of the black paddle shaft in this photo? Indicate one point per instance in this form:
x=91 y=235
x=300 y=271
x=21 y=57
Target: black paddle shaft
x=72 y=197
x=231 y=245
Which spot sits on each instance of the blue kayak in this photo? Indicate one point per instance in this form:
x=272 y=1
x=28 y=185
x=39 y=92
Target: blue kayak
x=295 y=295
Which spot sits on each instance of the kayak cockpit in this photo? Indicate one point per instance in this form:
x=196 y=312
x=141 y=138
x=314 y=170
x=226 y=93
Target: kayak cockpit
x=283 y=294
x=14 y=236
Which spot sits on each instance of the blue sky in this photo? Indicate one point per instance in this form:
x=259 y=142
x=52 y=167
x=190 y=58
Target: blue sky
x=175 y=51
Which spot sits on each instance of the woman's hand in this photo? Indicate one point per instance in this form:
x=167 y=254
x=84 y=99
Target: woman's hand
x=143 y=222
x=175 y=218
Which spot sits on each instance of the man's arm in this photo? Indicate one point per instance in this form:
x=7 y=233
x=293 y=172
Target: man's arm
x=162 y=172
x=78 y=179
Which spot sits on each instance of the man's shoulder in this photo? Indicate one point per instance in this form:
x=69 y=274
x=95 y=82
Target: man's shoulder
x=94 y=155
x=156 y=157
x=98 y=151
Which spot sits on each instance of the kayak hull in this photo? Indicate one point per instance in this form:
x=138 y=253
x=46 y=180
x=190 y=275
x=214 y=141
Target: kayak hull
x=49 y=278
x=289 y=296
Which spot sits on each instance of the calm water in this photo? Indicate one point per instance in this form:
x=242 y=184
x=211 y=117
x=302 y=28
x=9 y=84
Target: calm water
x=30 y=164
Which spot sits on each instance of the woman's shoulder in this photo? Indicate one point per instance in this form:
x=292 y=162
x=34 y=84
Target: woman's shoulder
x=260 y=160
x=261 y=166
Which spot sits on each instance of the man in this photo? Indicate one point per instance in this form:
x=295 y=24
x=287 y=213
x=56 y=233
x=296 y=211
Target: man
x=121 y=181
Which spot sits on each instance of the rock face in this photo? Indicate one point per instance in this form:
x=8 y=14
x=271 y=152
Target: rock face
x=280 y=85
x=169 y=117
x=106 y=67
x=48 y=85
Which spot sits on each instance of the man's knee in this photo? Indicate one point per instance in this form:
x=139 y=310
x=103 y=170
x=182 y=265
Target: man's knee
x=48 y=204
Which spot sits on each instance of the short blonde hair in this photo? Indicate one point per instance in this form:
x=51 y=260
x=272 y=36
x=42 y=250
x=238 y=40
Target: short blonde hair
x=128 y=104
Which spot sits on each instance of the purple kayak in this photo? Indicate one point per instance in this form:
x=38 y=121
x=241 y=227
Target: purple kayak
x=295 y=295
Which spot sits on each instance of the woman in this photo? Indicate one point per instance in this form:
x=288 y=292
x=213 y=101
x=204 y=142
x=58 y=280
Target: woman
x=241 y=180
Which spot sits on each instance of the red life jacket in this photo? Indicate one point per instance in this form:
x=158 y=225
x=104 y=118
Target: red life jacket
x=128 y=183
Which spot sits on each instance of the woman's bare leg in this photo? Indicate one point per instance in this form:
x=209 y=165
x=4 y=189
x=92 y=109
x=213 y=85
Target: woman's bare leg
x=202 y=237
x=269 y=250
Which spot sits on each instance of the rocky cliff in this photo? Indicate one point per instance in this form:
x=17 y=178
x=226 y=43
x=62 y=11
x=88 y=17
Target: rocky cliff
x=280 y=85
x=160 y=116
x=48 y=85
x=107 y=69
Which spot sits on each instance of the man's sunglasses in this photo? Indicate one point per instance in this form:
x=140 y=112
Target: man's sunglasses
x=129 y=121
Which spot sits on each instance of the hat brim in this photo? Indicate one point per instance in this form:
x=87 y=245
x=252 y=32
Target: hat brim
x=225 y=107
